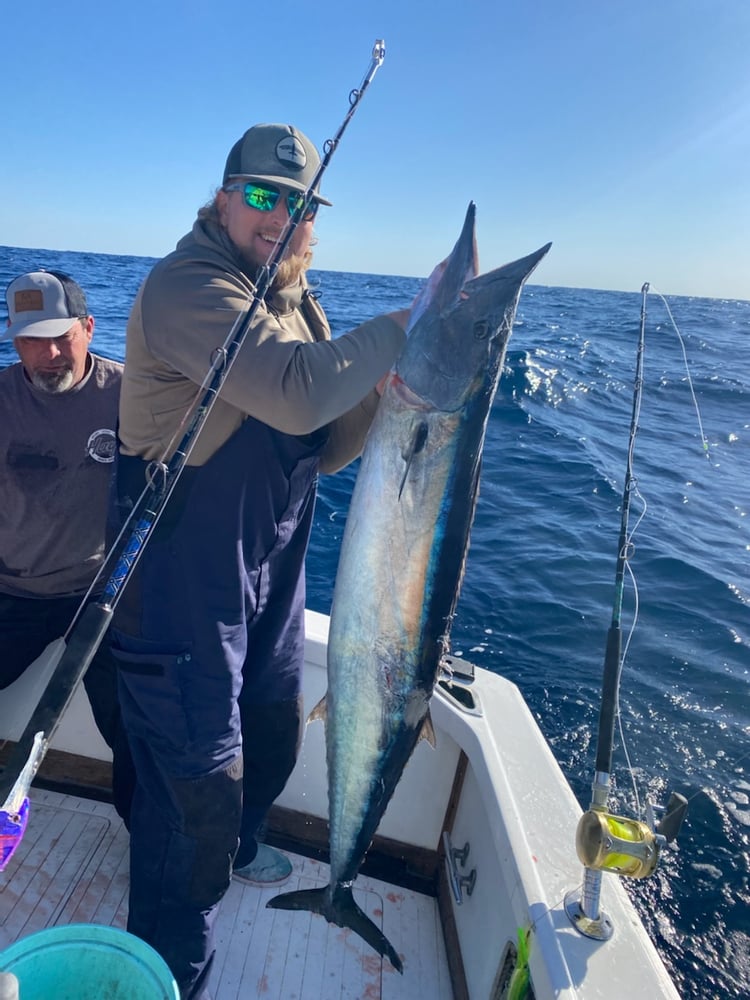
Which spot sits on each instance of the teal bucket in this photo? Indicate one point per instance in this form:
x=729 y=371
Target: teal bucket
x=88 y=962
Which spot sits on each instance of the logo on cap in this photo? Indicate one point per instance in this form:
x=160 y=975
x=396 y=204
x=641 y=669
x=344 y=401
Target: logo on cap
x=290 y=151
x=28 y=300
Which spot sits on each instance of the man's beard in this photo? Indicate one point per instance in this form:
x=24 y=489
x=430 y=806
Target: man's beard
x=53 y=381
x=289 y=272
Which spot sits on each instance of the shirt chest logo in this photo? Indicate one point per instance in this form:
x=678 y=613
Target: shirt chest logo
x=101 y=445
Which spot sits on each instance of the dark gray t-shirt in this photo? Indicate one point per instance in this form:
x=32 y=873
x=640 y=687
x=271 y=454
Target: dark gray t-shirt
x=56 y=460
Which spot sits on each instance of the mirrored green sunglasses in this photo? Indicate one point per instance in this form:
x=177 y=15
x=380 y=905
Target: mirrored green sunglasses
x=265 y=198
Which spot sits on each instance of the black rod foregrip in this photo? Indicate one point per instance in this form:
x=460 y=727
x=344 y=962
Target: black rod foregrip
x=608 y=710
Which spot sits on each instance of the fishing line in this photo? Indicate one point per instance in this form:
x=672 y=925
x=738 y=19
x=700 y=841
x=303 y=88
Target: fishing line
x=704 y=440
x=621 y=729
x=632 y=485
x=629 y=551
x=636 y=844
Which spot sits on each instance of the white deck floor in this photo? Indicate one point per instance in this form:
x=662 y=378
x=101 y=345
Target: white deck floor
x=72 y=867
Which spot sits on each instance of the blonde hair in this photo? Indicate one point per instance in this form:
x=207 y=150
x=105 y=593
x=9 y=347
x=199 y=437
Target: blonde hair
x=210 y=211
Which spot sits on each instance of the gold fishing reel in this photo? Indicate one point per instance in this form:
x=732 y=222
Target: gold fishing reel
x=616 y=844
x=625 y=846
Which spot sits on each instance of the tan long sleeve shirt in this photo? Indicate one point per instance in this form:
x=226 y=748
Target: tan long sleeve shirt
x=289 y=373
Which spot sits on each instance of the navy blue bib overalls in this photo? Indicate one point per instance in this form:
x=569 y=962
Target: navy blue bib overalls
x=209 y=639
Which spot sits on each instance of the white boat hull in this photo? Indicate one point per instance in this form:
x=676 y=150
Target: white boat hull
x=492 y=783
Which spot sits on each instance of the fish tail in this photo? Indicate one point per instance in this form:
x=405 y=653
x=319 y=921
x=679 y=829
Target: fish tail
x=303 y=899
x=340 y=909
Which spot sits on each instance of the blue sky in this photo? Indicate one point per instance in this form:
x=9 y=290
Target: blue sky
x=620 y=131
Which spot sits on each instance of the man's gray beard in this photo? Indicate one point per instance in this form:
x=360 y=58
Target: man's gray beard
x=54 y=382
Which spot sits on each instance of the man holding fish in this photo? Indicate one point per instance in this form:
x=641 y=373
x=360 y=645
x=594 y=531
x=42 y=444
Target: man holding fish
x=209 y=633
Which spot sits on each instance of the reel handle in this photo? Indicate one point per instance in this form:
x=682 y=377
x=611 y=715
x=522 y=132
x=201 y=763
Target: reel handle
x=673 y=818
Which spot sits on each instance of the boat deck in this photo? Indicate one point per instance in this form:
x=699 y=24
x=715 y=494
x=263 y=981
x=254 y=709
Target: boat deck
x=72 y=867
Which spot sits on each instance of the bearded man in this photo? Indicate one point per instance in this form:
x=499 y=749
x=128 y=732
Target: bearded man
x=209 y=632
x=58 y=414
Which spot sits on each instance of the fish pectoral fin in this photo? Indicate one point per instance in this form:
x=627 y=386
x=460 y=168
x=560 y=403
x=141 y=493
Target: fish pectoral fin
x=319 y=713
x=428 y=732
x=417 y=443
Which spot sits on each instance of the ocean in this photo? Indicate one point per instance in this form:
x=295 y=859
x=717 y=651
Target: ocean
x=537 y=598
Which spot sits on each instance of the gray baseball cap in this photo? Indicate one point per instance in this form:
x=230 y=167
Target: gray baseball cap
x=278 y=154
x=43 y=304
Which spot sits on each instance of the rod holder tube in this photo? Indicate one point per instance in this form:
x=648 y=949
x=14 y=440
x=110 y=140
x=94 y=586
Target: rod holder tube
x=591 y=893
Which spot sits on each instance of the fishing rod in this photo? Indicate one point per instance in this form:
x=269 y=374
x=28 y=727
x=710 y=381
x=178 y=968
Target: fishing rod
x=91 y=624
x=606 y=842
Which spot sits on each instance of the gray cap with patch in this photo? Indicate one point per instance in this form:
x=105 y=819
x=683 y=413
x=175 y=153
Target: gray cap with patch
x=43 y=304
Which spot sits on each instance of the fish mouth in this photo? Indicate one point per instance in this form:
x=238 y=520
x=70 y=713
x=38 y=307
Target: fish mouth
x=408 y=396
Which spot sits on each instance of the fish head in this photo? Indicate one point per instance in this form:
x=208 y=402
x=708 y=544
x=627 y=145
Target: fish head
x=458 y=344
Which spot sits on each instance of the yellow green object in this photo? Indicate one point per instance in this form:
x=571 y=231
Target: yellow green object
x=518 y=988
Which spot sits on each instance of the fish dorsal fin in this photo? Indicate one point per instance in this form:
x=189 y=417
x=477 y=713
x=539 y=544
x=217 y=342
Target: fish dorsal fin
x=417 y=443
x=428 y=732
x=319 y=713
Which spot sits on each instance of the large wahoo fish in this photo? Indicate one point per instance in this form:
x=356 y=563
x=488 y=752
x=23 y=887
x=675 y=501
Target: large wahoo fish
x=402 y=557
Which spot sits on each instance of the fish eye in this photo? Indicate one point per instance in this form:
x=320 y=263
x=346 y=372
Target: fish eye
x=481 y=330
